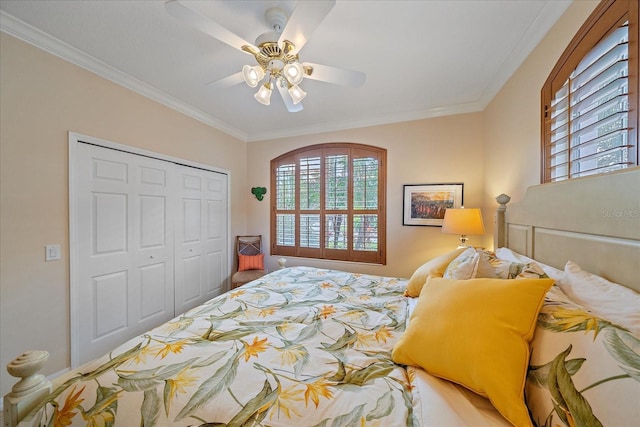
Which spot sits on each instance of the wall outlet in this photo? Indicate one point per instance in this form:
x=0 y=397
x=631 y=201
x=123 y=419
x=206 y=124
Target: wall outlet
x=51 y=252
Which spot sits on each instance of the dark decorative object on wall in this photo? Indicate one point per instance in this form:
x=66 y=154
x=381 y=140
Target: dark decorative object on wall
x=425 y=204
x=259 y=192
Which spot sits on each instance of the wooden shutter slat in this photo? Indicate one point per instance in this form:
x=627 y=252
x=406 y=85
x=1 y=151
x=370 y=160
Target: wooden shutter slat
x=593 y=85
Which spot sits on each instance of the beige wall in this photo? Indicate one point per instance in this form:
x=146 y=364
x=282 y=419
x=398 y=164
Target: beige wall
x=512 y=119
x=44 y=97
x=442 y=150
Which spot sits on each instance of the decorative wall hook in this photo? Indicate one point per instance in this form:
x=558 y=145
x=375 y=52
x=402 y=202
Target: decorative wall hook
x=259 y=192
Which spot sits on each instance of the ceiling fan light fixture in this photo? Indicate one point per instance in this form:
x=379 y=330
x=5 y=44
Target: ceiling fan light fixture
x=296 y=93
x=294 y=73
x=276 y=51
x=252 y=75
x=263 y=96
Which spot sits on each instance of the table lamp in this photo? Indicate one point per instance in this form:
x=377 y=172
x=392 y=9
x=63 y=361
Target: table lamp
x=463 y=222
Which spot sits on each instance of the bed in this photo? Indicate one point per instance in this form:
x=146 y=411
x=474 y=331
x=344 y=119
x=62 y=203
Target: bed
x=314 y=347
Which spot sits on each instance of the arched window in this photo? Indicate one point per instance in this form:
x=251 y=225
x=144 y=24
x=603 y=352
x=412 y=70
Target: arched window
x=328 y=202
x=590 y=100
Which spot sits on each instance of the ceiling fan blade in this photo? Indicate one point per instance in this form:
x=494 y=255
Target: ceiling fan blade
x=291 y=107
x=340 y=76
x=228 y=81
x=304 y=20
x=176 y=9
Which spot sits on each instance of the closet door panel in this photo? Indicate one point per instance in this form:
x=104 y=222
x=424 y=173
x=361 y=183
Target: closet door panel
x=201 y=241
x=153 y=221
x=124 y=249
x=153 y=243
x=215 y=279
x=216 y=233
x=188 y=242
x=154 y=291
x=110 y=222
x=192 y=274
x=111 y=303
x=192 y=220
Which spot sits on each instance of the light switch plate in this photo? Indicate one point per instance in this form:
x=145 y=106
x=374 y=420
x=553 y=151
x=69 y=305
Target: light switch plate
x=51 y=252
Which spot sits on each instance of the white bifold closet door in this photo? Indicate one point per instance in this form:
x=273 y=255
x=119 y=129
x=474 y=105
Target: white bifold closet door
x=200 y=237
x=151 y=244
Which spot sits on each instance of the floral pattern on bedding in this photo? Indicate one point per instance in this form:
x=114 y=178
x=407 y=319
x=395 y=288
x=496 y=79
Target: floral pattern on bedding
x=584 y=370
x=300 y=346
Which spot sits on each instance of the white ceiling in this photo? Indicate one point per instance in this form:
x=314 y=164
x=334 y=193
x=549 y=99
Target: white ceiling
x=422 y=58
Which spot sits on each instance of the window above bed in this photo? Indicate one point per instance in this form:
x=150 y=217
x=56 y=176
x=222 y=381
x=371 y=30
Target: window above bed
x=328 y=202
x=590 y=99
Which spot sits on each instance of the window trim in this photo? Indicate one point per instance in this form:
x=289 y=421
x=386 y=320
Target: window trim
x=605 y=18
x=372 y=257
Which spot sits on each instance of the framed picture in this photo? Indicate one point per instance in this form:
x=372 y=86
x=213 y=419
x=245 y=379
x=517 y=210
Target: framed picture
x=425 y=204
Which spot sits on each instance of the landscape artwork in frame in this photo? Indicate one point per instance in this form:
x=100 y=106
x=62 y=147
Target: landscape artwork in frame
x=425 y=204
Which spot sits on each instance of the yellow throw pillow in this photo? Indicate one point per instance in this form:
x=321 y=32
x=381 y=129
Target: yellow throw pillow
x=476 y=333
x=434 y=267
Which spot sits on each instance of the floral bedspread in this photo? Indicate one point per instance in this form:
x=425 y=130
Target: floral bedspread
x=301 y=346
x=584 y=369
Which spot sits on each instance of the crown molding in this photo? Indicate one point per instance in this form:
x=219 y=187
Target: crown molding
x=387 y=119
x=546 y=19
x=29 y=34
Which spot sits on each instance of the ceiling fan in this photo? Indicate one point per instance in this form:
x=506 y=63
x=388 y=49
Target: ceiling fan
x=276 y=52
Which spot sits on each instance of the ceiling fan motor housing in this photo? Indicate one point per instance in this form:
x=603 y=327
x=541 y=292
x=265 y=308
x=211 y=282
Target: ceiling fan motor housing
x=268 y=42
x=267 y=39
x=276 y=18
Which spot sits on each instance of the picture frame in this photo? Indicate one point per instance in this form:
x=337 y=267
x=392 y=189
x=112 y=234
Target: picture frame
x=425 y=204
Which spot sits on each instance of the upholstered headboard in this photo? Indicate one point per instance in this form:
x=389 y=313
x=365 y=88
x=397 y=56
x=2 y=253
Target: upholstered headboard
x=593 y=221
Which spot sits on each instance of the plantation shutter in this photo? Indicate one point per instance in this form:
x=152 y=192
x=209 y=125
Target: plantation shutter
x=328 y=203
x=589 y=123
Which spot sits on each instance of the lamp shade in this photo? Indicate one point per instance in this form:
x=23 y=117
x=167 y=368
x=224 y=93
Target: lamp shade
x=263 y=96
x=297 y=94
x=294 y=73
x=252 y=75
x=463 y=221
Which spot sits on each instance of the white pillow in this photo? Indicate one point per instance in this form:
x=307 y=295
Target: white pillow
x=509 y=255
x=463 y=266
x=603 y=298
x=490 y=266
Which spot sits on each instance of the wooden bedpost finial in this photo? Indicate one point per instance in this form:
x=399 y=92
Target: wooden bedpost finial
x=31 y=388
x=503 y=199
x=26 y=367
x=499 y=234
